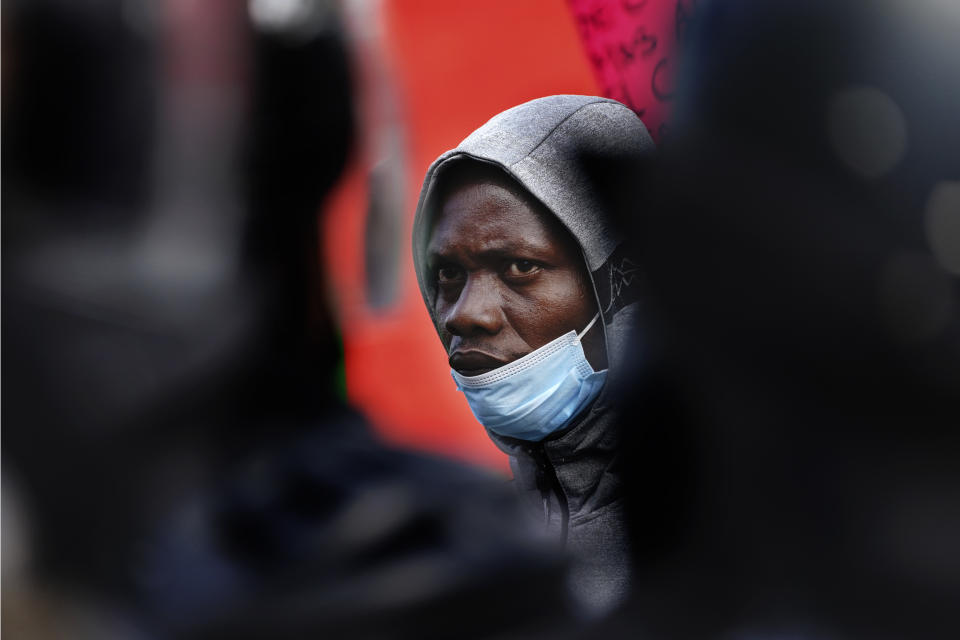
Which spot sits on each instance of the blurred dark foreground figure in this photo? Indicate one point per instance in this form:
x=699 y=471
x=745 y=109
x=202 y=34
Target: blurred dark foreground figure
x=177 y=462
x=798 y=431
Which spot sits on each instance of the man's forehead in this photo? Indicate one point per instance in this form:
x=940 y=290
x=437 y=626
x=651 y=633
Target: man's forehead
x=488 y=210
x=484 y=218
x=484 y=196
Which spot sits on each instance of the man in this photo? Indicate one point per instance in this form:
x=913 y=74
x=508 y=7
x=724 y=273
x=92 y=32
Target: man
x=525 y=280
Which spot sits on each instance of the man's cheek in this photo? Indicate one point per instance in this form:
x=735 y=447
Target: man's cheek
x=445 y=338
x=439 y=315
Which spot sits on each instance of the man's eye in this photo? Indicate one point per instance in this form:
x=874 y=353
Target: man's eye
x=449 y=274
x=520 y=268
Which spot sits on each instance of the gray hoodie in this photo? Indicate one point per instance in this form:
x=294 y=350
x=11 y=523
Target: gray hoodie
x=570 y=153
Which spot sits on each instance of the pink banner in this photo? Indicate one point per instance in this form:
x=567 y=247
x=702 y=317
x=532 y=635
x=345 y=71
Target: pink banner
x=631 y=45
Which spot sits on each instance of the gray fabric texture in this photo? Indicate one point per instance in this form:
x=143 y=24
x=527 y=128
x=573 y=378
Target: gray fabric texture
x=560 y=149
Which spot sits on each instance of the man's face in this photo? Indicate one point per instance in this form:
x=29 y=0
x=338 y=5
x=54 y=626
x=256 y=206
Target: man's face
x=509 y=280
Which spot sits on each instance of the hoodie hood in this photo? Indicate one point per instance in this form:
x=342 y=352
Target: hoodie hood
x=572 y=154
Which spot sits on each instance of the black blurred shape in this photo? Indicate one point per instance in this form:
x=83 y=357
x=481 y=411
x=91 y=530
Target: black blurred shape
x=799 y=407
x=184 y=458
x=79 y=100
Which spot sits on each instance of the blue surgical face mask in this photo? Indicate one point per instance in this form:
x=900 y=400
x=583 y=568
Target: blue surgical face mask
x=535 y=395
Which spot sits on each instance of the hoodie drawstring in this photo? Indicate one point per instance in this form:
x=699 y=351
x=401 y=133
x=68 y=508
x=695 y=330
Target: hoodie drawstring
x=547 y=484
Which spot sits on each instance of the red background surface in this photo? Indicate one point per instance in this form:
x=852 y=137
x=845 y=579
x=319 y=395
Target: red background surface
x=454 y=65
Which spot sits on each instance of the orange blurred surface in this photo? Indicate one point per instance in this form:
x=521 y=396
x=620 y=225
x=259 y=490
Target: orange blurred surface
x=454 y=65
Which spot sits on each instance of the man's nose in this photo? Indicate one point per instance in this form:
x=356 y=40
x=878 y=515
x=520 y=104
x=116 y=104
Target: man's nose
x=477 y=309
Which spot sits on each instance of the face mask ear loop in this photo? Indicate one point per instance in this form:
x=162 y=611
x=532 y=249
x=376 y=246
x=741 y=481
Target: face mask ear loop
x=587 y=328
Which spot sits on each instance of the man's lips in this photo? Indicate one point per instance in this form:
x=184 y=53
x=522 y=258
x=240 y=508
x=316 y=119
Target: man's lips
x=470 y=362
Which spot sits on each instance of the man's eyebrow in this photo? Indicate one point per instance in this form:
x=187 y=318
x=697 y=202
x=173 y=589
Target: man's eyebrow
x=524 y=250
x=515 y=249
x=502 y=247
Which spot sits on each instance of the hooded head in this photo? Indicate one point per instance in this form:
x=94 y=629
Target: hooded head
x=565 y=157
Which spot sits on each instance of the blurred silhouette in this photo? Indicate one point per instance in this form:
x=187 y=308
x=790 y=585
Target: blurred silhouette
x=176 y=455
x=795 y=434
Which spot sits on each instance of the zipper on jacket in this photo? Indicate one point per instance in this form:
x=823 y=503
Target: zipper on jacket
x=547 y=484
